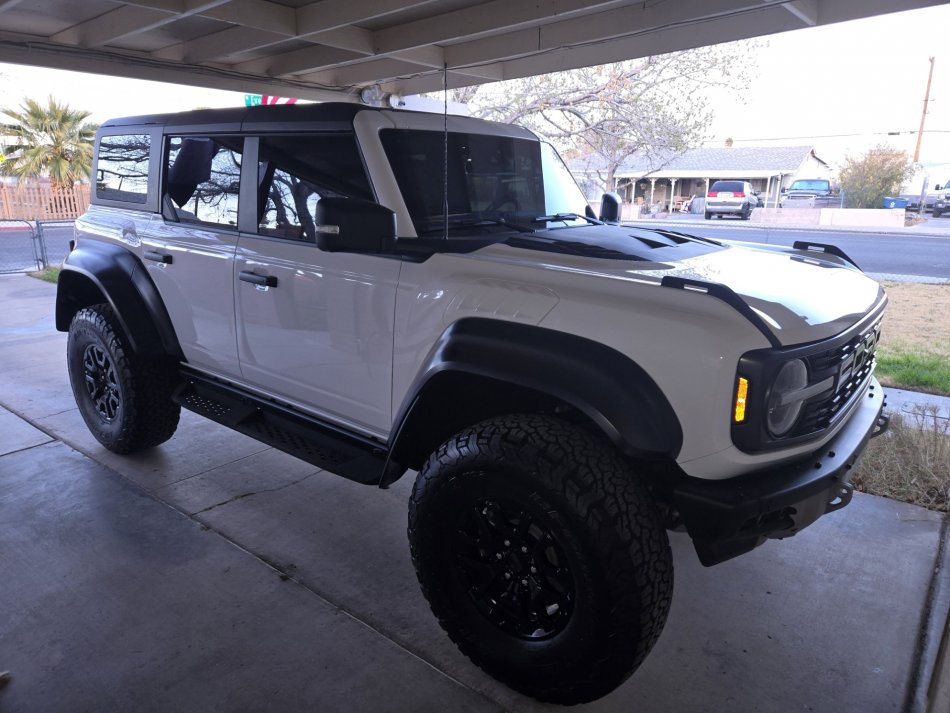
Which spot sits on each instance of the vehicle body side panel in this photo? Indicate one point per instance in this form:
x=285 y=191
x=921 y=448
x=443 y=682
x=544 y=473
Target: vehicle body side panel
x=323 y=335
x=197 y=288
x=107 y=254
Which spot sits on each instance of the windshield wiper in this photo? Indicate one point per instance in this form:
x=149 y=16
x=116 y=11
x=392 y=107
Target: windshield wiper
x=480 y=223
x=567 y=216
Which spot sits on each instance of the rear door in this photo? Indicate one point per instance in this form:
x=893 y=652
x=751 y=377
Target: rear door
x=189 y=248
x=314 y=328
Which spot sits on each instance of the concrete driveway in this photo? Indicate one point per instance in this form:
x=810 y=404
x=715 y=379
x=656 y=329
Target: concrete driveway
x=216 y=574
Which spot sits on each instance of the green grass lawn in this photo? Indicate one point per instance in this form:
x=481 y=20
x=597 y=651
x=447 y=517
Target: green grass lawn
x=50 y=274
x=916 y=371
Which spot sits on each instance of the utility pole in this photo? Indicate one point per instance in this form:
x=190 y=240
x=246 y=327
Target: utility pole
x=923 y=116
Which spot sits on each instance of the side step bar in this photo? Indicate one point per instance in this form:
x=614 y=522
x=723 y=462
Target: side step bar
x=324 y=445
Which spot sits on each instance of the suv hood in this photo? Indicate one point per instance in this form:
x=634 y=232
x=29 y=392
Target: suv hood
x=803 y=296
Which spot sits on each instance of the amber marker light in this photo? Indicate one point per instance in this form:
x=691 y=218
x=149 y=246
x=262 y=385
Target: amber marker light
x=742 y=391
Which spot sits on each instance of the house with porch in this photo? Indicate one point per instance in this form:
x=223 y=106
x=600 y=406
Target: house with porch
x=658 y=182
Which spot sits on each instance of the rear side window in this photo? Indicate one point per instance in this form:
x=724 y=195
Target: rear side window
x=297 y=171
x=203 y=179
x=122 y=168
x=734 y=186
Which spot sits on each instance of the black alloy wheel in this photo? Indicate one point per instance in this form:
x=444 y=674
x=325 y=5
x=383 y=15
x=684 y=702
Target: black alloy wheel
x=514 y=569
x=124 y=398
x=102 y=384
x=542 y=556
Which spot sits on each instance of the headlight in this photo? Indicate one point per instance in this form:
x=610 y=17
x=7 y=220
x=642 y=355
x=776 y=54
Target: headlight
x=786 y=397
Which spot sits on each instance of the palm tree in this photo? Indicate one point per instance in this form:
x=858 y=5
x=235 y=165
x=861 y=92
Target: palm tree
x=54 y=141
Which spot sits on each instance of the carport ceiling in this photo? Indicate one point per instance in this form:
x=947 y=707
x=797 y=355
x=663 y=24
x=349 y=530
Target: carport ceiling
x=313 y=49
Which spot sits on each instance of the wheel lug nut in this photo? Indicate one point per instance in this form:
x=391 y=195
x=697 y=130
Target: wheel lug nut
x=498 y=555
x=507 y=543
x=534 y=570
x=524 y=582
x=523 y=548
x=507 y=575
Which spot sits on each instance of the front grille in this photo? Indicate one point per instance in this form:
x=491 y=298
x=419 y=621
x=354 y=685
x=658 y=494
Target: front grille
x=851 y=365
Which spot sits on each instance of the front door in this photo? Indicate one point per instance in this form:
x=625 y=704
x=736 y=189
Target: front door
x=314 y=328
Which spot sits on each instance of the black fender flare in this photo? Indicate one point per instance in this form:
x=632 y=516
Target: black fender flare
x=609 y=388
x=102 y=272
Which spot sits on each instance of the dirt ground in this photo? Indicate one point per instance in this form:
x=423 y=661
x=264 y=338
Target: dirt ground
x=917 y=318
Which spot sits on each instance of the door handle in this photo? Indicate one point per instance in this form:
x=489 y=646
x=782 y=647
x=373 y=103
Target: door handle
x=163 y=258
x=255 y=279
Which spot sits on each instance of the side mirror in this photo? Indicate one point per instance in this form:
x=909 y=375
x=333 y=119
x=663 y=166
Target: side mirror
x=938 y=187
x=354 y=225
x=610 y=208
x=784 y=189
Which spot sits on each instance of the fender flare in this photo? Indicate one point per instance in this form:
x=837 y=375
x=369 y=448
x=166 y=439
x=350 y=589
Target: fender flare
x=609 y=388
x=95 y=272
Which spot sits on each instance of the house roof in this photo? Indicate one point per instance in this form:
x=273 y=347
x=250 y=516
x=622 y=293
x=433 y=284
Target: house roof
x=718 y=162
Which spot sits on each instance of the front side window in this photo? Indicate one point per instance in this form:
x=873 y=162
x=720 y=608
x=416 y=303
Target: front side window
x=122 y=168
x=203 y=179
x=296 y=171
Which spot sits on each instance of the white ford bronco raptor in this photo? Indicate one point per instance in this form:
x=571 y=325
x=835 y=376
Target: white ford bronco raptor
x=376 y=291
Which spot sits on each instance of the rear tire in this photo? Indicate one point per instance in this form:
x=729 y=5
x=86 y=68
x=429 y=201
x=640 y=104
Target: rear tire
x=124 y=398
x=707 y=215
x=542 y=556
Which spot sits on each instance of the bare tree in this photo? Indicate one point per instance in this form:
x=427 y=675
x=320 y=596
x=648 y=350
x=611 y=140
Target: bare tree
x=657 y=106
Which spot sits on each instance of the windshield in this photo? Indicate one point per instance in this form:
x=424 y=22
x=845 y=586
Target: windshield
x=490 y=179
x=810 y=186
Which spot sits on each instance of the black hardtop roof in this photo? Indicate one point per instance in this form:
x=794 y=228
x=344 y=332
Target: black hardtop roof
x=329 y=116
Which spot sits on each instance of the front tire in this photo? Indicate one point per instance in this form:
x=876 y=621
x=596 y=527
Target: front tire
x=542 y=556
x=124 y=398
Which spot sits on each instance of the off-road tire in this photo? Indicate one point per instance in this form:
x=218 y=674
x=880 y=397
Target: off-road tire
x=124 y=398
x=604 y=530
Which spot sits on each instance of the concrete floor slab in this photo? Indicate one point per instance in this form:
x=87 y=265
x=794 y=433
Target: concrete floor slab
x=826 y=621
x=112 y=601
x=260 y=472
x=16 y=434
x=809 y=623
x=207 y=447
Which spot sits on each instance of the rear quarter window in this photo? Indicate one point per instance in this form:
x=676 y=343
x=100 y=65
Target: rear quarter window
x=122 y=168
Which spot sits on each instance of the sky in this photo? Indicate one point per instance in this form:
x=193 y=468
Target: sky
x=863 y=79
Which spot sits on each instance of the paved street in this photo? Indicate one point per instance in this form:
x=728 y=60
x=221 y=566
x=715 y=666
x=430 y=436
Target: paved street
x=921 y=250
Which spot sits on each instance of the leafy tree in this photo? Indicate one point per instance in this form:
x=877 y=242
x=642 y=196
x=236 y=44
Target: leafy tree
x=52 y=140
x=880 y=172
x=655 y=105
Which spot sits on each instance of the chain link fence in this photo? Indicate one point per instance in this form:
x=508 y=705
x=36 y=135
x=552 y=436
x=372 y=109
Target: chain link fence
x=19 y=247
x=27 y=246
x=54 y=237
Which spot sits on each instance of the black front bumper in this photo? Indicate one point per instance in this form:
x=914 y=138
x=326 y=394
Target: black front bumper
x=727 y=518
